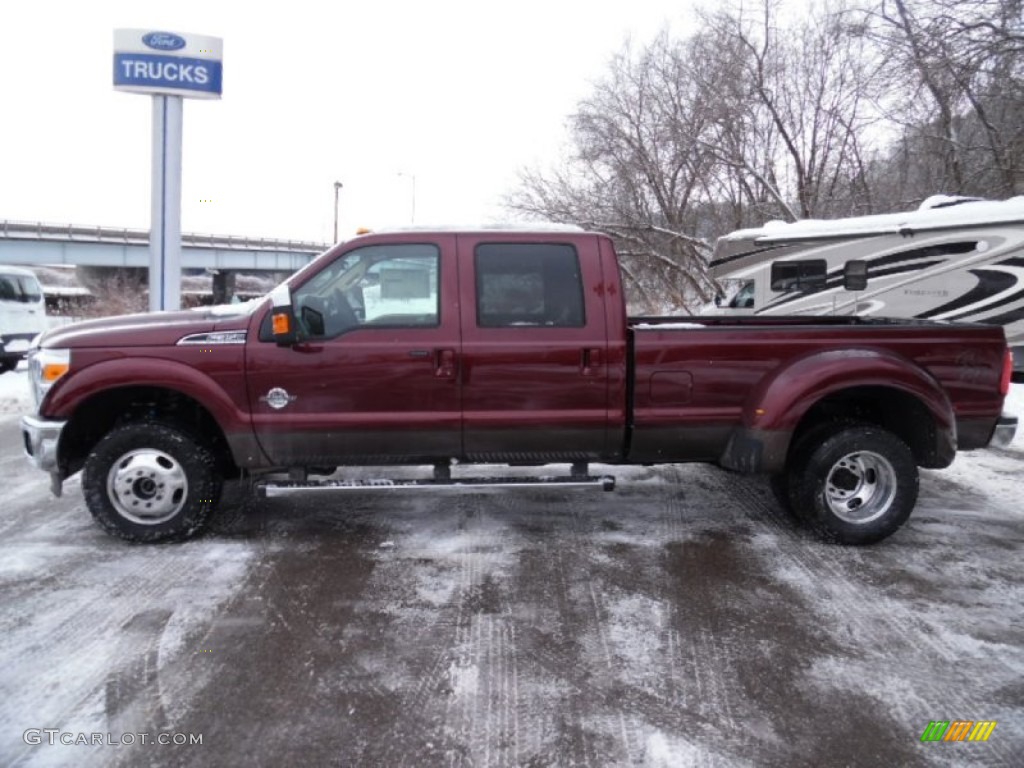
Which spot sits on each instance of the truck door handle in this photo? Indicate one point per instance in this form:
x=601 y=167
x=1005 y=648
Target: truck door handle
x=444 y=363
x=590 y=361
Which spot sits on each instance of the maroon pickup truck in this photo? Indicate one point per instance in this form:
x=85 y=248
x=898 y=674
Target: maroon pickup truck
x=436 y=348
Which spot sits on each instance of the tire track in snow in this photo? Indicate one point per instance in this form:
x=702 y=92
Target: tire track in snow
x=89 y=673
x=824 y=569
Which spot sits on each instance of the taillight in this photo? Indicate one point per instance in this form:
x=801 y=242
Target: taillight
x=1004 y=382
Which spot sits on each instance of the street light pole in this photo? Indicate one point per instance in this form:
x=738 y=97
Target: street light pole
x=337 y=185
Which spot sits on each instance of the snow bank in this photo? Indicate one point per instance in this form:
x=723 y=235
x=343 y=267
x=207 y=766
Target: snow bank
x=15 y=396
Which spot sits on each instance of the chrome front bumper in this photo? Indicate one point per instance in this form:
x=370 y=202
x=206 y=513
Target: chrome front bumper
x=41 y=439
x=1006 y=428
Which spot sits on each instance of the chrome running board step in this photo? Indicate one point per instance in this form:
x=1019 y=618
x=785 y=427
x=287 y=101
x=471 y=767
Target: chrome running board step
x=287 y=488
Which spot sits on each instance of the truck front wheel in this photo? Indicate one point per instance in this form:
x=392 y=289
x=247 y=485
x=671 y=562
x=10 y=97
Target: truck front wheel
x=151 y=482
x=857 y=485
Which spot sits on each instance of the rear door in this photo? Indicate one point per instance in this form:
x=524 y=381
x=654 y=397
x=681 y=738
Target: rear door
x=376 y=380
x=534 y=342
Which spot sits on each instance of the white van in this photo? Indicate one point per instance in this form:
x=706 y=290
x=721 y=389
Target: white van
x=22 y=314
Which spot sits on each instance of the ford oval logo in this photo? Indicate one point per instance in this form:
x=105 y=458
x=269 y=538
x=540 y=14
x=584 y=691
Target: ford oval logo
x=164 y=41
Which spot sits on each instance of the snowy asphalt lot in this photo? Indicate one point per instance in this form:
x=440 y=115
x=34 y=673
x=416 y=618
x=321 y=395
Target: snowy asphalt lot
x=681 y=621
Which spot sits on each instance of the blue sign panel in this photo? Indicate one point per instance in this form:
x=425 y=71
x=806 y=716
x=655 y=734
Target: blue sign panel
x=168 y=73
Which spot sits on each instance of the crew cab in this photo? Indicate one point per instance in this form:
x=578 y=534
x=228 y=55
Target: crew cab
x=438 y=348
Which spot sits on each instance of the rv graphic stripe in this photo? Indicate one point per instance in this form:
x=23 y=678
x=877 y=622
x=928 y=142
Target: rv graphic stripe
x=1012 y=299
x=737 y=256
x=1007 y=318
x=991 y=283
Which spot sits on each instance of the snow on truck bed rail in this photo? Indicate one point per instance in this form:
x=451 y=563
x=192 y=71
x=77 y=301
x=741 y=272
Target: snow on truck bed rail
x=669 y=326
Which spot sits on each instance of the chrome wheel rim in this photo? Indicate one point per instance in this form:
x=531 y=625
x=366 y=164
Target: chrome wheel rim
x=147 y=486
x=860 y=487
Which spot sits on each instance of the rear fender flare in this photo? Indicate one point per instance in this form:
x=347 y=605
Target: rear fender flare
x=776 y=406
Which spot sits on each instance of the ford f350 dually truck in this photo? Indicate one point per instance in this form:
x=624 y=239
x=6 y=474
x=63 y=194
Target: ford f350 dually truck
x=500 y=347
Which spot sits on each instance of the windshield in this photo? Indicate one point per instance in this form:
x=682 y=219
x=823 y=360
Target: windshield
x=21 y=288
x=744 y=298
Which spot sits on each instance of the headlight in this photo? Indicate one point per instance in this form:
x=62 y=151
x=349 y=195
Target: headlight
x=45 y=367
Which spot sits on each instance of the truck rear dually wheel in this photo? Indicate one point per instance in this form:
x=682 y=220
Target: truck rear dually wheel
x=856 y=485
x=151 y=482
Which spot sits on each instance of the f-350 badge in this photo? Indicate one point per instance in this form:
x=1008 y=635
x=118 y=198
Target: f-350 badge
x=277 y=398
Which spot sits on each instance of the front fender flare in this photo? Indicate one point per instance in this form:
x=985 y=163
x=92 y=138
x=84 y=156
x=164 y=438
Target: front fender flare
x=74 y=390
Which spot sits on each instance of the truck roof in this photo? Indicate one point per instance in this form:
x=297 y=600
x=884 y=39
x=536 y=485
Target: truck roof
x=493 y=228
x=20 y=271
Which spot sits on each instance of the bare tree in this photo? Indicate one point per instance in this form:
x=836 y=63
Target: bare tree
x=804 y=95
x=637 y=174
x=685 y=140
x=955 y=87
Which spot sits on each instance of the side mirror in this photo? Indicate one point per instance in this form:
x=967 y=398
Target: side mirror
x=283 y=325
x=855 y=275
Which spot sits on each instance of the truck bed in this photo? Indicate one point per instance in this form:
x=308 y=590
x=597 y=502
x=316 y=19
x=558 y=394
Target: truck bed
x=711 y=375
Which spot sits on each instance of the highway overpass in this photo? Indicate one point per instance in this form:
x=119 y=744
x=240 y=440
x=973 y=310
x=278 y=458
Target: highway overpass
x=36 y=243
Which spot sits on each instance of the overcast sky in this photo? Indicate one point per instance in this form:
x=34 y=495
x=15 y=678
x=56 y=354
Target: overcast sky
x=459 y=94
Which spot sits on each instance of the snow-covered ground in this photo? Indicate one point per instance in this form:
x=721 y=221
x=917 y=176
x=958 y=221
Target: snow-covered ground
x=15 y=396
x=682 y=620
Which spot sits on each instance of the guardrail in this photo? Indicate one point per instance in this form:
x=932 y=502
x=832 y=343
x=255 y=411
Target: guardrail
x=26 y=230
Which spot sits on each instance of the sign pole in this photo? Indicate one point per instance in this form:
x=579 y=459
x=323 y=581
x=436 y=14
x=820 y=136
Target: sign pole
x=169 y=66
x=165 y=221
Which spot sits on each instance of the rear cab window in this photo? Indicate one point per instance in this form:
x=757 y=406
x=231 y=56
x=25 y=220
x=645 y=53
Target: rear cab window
x=528 y=284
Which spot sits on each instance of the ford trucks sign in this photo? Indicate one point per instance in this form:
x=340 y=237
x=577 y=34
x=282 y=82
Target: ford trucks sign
x=156 y=61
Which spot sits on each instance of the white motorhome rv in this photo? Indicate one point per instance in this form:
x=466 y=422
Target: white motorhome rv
x=22 y=314
x=956 y=259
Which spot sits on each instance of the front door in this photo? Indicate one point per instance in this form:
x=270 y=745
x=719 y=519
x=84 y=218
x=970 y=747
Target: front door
x=375 y=379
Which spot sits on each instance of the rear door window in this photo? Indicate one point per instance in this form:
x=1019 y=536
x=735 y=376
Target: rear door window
x=528 y=284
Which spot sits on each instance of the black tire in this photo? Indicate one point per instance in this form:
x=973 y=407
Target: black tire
x=8 y=365
x=803 y=446
x=853 y=484
x=151 y=482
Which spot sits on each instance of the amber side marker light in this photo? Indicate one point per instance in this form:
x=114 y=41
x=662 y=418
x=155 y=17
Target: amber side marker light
x=53 y=371
x=1004 y=382
x=282 y=324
